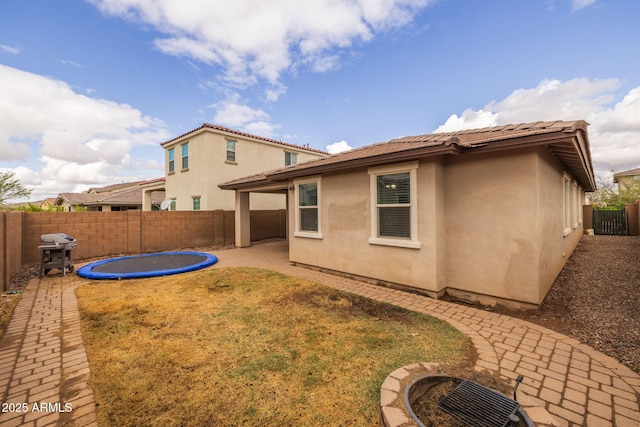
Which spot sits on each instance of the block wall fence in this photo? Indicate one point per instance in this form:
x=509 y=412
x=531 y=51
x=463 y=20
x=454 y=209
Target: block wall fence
x=104 y=234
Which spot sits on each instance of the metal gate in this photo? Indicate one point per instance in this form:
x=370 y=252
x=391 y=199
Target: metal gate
x=611 y=222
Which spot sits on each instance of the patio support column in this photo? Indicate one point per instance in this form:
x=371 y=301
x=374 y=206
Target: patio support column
x=146 y=200
x=243 y=223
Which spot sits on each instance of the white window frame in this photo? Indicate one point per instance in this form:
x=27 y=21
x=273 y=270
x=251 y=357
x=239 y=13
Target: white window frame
x=574 y=204
x=233 y=161
x=412 y=242
x=171 y=160
x=305 y=233
x=184 y=157
x=293 y=158
x=566 y=204
x=580 y=203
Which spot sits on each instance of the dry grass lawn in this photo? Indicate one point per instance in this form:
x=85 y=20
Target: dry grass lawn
x=231 y=347
x=7 y=305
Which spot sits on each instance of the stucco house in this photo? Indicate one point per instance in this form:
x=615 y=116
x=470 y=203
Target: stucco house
x=116 y=197
x=199 y=160
x=627 y=180
x=488 y=215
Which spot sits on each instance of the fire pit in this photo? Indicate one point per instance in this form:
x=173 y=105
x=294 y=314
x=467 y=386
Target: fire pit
x=470 y=403
x=55 y=252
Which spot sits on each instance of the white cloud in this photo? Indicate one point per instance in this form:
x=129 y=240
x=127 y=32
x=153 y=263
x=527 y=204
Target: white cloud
x=579 y=4
x=70 y=63
x=256 y=40
x=338 y=147
x=9 y=49
x=614 y=129
x=469 y=119
x=77 y=139
x=233 y=114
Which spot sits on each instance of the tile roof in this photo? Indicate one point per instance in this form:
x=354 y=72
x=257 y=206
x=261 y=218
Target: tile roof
x=631 y=172
x=556 y=133
x=116 y=194
x=247 y=135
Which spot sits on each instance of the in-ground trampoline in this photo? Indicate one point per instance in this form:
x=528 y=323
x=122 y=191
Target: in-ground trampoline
x=147 y=265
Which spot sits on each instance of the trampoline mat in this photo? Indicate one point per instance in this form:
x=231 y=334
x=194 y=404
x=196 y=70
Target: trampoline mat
x=147 y=265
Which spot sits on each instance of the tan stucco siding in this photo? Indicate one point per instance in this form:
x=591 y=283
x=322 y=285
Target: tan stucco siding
x=208 y=167
x=491 y=225
x=555 y=247
x=346 y=229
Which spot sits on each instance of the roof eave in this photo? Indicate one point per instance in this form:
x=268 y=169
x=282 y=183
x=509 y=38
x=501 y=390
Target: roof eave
x=377 y=160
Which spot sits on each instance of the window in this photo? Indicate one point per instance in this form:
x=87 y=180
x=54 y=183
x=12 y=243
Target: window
x=196 y=203
x=574 y=204
x=173 y=204
x=566 y=193
x=290 y=158
x=308 y=209
x=231 y=151
x=171 y=160
x=394 y=213
x=185 y=156
x=580 y=203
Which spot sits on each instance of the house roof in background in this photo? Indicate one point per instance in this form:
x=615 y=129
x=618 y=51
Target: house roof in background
x=559 y=136
x=223 y=129
x=117 y=194
x=630 y=172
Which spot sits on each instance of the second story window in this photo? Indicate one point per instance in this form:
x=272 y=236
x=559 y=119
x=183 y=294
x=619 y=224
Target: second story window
x=185 y=156
x=290 y=158
x=231 y=151
x=171 y=160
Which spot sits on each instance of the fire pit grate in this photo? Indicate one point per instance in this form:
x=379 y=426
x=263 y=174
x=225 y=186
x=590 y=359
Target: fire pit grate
x=477 y=405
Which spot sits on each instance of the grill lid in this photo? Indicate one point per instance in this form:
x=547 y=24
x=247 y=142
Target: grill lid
x=57 y=238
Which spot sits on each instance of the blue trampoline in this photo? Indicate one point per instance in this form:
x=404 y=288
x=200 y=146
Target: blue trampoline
x=147 y=265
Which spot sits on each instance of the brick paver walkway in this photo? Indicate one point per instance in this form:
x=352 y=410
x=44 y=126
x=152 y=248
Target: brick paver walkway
x=43 y=363
x=566 y=383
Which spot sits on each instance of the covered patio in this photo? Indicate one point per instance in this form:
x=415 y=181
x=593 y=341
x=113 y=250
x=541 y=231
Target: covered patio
x=243 y=208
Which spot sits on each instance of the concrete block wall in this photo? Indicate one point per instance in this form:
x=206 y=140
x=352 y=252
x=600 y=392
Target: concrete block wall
x=268 y=224
x=10 y=246
x=162 y=230
x=104 y=234
x=97 y=233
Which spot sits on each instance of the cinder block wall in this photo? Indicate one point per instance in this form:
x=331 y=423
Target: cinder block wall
x=103 y=234
x=632 y=219
x=268 y=224
x=10 y=246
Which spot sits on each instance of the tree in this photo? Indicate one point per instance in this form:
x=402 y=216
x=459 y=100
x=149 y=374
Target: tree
x=10 y=187
x=608 y=196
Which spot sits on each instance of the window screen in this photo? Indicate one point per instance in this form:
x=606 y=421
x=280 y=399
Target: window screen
x=394 y=205
x=308 y=206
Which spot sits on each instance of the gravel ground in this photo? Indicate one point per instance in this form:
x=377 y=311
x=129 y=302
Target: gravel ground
x=596 y=298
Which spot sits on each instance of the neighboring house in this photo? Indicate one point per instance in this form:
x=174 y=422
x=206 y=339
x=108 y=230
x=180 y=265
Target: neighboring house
x=484 y=215
x=199 y=160
x=117 y=197
x=48 y=204
x=627 y=180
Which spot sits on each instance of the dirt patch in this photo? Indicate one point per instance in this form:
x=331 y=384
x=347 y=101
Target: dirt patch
x=595 y=298
x=345 y=304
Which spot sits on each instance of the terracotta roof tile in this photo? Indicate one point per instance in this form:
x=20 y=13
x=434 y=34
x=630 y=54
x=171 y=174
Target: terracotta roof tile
x=247 y=135
x=404 y=148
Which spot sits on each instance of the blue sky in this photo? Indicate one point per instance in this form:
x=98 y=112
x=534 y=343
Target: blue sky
x=89 y=89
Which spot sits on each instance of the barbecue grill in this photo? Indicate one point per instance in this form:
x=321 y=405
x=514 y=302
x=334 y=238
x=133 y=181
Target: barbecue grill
x=56 y=252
